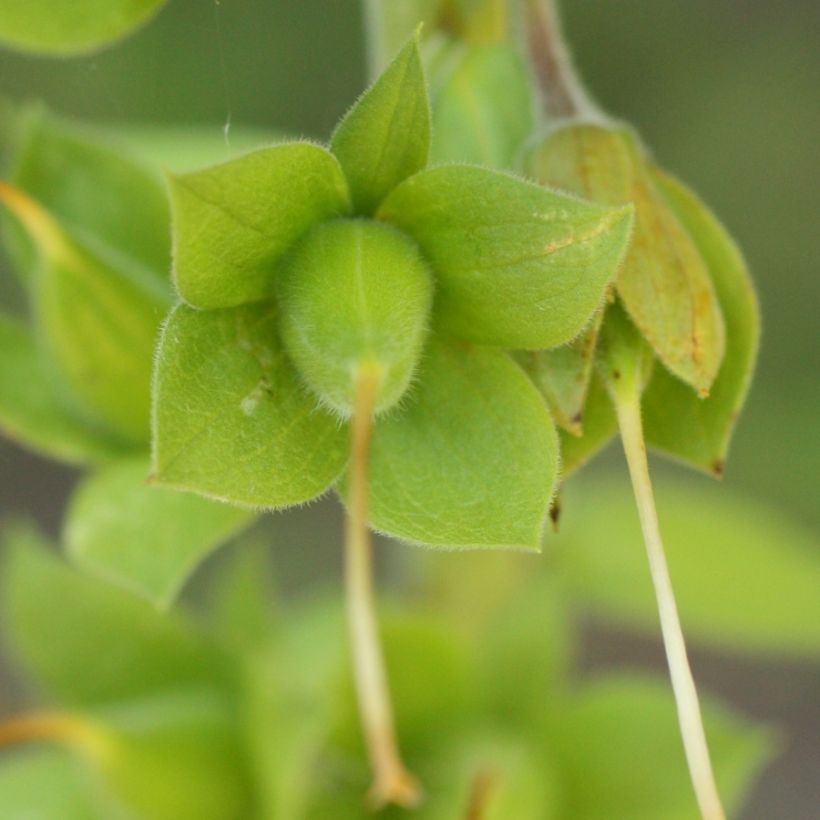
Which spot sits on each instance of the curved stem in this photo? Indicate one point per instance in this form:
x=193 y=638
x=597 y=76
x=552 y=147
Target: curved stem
x=562 y=92
x=627 y=405
x=392 y=782
x=53 y=727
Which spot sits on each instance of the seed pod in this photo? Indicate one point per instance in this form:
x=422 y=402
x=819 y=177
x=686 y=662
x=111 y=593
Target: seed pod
x=355 y=293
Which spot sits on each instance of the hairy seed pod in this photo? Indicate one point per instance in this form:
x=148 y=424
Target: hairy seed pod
x=355 y=293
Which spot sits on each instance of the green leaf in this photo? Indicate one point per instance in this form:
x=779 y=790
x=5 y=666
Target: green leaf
x=95 y=188
x=49 y=785
x=600 y=426
x=233 y=222
x=231 y=420
x=86 y=642
x=148 y=539
x=663 y=282
x=385 y=137
x=96 y=318
x=470 y=460
x=745 y=576
x=68 y=27
x=33 y=413
x=615 y=723
x=175 y=756
x=482 y=110
x=517 y=265
x=355 y=293
x=699 y=431
x=562 y=376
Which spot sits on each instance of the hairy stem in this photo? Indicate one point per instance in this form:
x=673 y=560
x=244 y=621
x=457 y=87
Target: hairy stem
x=686 y=697
x=561 y=91
x=392 y=782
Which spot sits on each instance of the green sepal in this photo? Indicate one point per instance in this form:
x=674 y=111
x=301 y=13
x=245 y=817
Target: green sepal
x=624 y=360
x=355 y=293
x=231 y=420
x=233 y=222
x=95 y=188
x=83 y=641
x=470 y=460
x=663 y=281
x=148 y=539
x=699 y=431
x=69 y=27
x=482 y=107
x=562 y=375
x=516 y=265
x=33 y=413
x=96 y=317
x=599 y=428
x=385 y=137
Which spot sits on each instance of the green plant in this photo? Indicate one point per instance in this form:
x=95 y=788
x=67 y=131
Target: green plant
x=353 y=318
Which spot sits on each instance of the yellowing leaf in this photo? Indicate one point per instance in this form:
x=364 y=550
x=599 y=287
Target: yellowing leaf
x=699 y=431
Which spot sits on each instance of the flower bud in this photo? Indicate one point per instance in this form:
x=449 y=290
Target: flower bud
x=353 y=294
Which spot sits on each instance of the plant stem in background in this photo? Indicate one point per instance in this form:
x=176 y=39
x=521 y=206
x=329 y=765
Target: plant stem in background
x=392 y=782
x=54 y=727
x=628 y=408
x=562 y=94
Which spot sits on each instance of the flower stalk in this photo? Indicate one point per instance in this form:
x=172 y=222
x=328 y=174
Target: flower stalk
x=628 y=408
x=392 y=782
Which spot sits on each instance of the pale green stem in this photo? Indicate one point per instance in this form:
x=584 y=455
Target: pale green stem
x=627 y=405
x=392 y=783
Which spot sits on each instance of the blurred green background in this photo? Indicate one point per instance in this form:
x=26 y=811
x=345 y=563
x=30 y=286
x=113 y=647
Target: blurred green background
x=724 y=91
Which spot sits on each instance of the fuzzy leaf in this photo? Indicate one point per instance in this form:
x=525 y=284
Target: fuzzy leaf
x=746 y=577
x=97 y=319
x=32 y=412
x=385 y=137
x=482 y=110
x=86 y=642
x=699 y=431
x=94 y=188
x=562 y=376
x=231 y=420
x=614 y=723
x=67 y=27
x=148 y=539
x=355 y=292
x=663 y=282
x=470 y=460
x=233 y=222
x=516 y=265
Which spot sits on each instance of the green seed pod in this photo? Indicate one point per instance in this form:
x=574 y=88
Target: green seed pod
x=355 y=293
x=664 y=283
